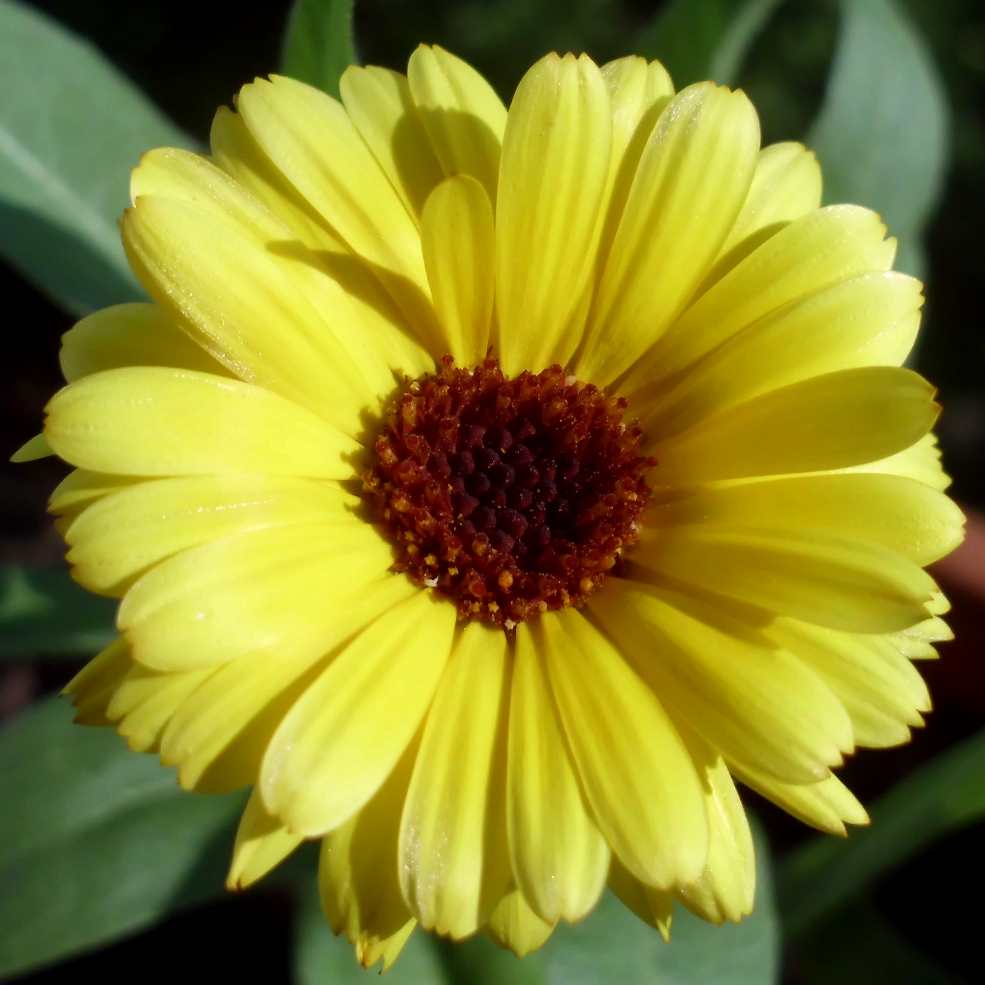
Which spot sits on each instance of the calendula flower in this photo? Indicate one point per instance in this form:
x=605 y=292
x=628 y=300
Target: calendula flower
x=488 y=488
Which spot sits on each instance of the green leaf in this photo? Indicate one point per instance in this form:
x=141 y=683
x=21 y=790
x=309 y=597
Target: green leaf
x=71 y=128
x=318 y=43
x=947 y=793
x=97 y=841
x=881 y=135
x=707 y=40
x=42 y=611
x=611 y=945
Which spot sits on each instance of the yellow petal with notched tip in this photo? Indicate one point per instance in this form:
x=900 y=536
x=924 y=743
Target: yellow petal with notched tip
x=921 y=461
x=827 y=422
x=560 y=859
x=459 y=244
x=116 y=539
x=346 y=732
x=130 y=335
x=726 y=888
x=516 y=926
x=461 y=112
x=869 y=320
x=552 y=185
x=653 y=906
x=261 y=590
x=453 y=815
x=828 y=804
x=750 y=700
x=638 y=778
x=692 y=179
x=153 y=421
x=381 y=107
x=358 y=876
x=896 y=513
x=819 y=249
x=821 y=578
x=261 y=844
x=92 y=688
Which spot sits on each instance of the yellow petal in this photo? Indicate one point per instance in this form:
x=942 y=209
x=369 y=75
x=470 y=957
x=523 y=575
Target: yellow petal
x=461 y=112
x=358 y=877
x=93 y=687
x=755 y=703
x=785 y=185
x=869 y=320
x=459 y=245
x=514 y=925
x=262 y=843
x=881 y=690
x=827 y=805
x=347 y=731
x=115 y=539
x=899 y=514
x=153 y=421
x=821 y=248
x=33 y=450
x=821 y=578
x=691 y=182
x=130 y=335
x=257 y=591
x=653 y=906
x=380 y=105
x=247 y=308
x=453 y=815
x=726 y=888
x=552 y=185
x=921 y=461
x=828 y=422
x=637 y=775
x=560 y=860
x=80 y=488
x=313 y=143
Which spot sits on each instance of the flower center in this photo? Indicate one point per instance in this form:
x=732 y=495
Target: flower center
x=510 y=496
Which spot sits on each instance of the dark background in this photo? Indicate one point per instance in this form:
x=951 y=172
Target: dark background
x=191 y=57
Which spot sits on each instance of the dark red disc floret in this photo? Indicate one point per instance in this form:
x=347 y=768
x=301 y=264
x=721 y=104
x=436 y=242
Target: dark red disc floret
x=511 y=496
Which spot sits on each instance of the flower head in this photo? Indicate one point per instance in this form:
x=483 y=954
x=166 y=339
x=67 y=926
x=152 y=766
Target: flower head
x=487 y=489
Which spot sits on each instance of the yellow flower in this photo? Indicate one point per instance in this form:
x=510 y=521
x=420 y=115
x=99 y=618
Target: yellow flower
x=500 y=628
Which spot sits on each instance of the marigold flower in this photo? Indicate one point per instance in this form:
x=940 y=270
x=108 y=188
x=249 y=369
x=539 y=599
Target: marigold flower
x=488 y=488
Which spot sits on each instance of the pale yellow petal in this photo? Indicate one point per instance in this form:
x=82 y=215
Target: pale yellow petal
x=514 y=925
x=828 y=422
x=92 y=688
x=726 y=888
x=560 y=859
x=313 y=143
x=32 y=450
x=881 y=690
x=459 y=245
x=262 y=843
x=640 y=781
x=827 y=579
x=347 y=731
x=692 y=179
x=381 y=107
x=653 y=906
x=827 y=805
x=81 y=487
x=130 y=335
x=896 y=513
x=870 y=320
x=749 y=700
x=358 y=875
x=153 y=421
x=461 y=112
x=552 y=185
x=260 y=590
x=117 y=538
x=453 y=814
x=821 y=248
